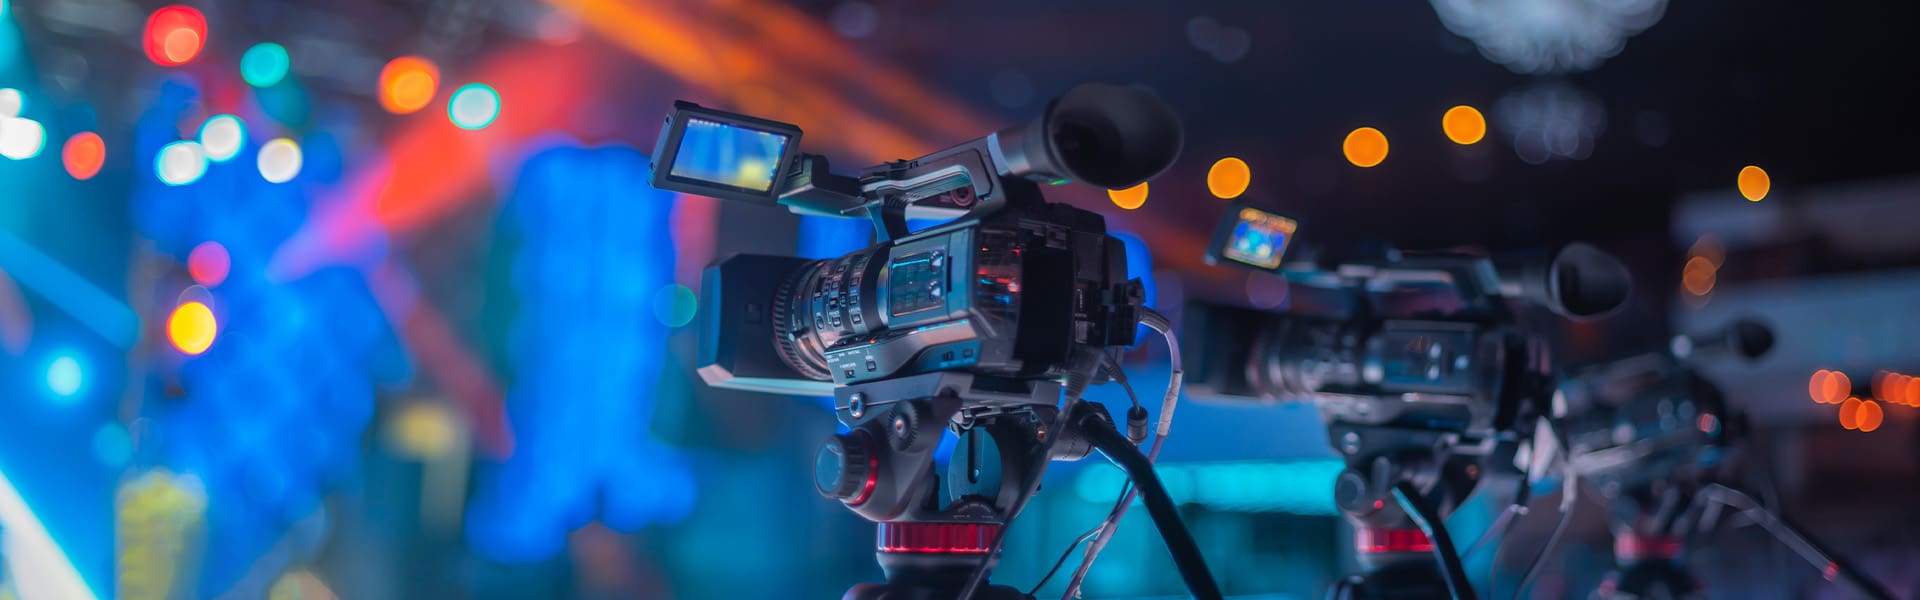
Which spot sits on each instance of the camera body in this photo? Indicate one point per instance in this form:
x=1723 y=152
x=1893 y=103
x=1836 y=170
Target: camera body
x=1009 y=294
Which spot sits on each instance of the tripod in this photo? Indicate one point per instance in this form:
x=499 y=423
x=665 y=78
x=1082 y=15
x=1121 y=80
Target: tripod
x=1397 y=491
x=939 y=536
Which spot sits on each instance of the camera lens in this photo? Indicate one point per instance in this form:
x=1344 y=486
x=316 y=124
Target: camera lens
x=821 y=304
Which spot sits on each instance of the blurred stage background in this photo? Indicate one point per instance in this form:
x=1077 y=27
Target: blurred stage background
x=369 y=298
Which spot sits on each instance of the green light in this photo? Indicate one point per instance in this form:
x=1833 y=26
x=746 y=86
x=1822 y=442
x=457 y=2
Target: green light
x=264 y=64
x=1059 y=182
x=1302 y=487
x=474 y=106
x=675 y=305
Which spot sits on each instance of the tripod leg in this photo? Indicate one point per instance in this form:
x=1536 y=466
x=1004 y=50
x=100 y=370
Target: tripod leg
x=1430 y=522
x=1831 y=565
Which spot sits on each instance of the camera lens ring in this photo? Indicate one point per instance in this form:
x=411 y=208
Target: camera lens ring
x=791 y=329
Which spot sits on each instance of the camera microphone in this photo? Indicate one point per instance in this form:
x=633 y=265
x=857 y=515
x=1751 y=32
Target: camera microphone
x=1748 y=338
x=1581 y=282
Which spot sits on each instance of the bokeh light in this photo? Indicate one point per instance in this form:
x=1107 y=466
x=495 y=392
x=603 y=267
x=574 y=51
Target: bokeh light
x=474 y=106
x=1817 y=385
x=175 y=35
x=1754 y=183
x=1365 y=147
x=222 y=137
x=12 y=102
x=208 y=263
x=1913 y=392
x=180 y=163
x=191 y=328
x=265 y=64
x=424 y=431
x=1850 y=413
x=675 y=305
x=64 y=376
x=1130 y=198
x=21 y=139
x=279 y=160
x=1869 y=416
x=83 y=155
x=1464 y=125
x=1837 y=387
x=1229 y=177
x=1699 y=276
x=407 y=84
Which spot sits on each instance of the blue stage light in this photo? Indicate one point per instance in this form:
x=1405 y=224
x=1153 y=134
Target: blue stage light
x=64 y=377
x=595 y=243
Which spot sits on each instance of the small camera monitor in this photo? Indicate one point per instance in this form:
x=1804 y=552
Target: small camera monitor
x=723 y=155
x=1252 y=238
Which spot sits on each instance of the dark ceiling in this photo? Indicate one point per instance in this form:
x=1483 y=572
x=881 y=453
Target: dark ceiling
x=1813 y=91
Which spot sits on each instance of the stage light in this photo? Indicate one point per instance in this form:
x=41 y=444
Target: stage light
x=1869 y=416
x=1850 y=413
x=208 y=263
x=12 y=102
x=222 y=137
x=407 y=84
x=265 y=64
x=1464 y=125
x=191 y=328
x=180 y=163
x=175 y=35
x=279 y=161
x=1754 y=183
x=474 y=106
x=1229 y=178
x=83 y=155
x=64 y=376
x=21 y=139
x=1130 y=198
x=1365 y=147
x=1539 y=37
x=675 y=305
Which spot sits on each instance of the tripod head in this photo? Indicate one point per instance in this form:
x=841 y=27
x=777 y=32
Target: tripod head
x=934 y=530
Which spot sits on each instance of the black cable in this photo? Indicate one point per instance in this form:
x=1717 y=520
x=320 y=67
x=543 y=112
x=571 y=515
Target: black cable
x=1430 y=523
x=1153 y=493
x=1834 y=568
x=1063 y=559
x=1124 y=488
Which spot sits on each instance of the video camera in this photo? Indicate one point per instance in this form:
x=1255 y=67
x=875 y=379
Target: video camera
x=1008 y=288
x=969 y=325
x=1423 y=372
x=1656 y=438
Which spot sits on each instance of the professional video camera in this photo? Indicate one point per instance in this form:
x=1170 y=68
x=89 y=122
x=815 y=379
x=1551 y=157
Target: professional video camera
x=1426 y=378
x=970 y=325
x=1655 y=438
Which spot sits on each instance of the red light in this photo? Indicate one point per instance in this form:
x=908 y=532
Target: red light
x=873 y=478
x=175 y=35
x=83 y=155
x=208 y=263
x=1378 y=541
x=937 y=538
x=1630 y=546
